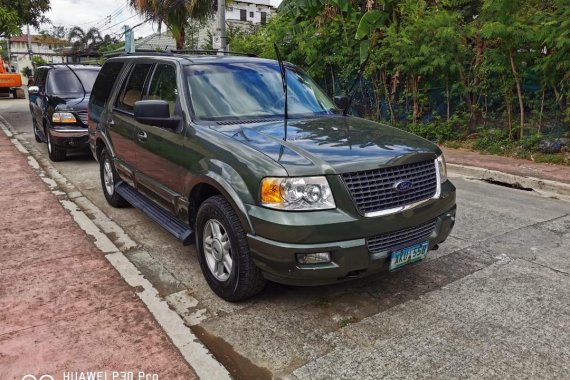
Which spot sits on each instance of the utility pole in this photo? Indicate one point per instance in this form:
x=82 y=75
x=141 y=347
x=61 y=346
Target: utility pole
x=222 y=24
x=30 y=52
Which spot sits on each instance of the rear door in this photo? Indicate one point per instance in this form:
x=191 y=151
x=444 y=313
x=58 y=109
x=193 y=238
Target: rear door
x=101 y=96
x=121 y=126
x=160 y=172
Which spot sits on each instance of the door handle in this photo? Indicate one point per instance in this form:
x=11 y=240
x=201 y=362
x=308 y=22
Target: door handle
x=141 y=136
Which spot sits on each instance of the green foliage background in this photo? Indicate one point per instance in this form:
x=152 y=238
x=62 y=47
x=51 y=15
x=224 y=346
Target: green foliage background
x=442 y=68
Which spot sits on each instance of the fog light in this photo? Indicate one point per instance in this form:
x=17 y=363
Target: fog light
x=313 y=258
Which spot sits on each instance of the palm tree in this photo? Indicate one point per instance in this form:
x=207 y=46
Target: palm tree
x=174 y=13
x=82 y=40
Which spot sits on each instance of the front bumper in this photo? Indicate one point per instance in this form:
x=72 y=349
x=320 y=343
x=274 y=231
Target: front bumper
x=280 y=236
x=349 y=259
x=70 y=138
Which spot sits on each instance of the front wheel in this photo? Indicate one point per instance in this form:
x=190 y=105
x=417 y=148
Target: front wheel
x=223 y=252
x=55 y=153
x=109 y=180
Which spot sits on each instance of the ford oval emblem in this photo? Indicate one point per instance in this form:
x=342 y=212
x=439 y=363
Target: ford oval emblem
x=402 y=186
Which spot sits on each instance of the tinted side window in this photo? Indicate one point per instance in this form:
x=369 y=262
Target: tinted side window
x=163 y=85
x=105 y=81
x=40 y=79
x=133 y=91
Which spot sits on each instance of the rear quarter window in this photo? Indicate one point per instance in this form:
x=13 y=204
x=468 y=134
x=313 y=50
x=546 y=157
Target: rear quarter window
x=105 y=82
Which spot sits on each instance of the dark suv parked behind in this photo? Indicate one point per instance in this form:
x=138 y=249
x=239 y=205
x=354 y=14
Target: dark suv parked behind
x=58 y=103
x=249 y=157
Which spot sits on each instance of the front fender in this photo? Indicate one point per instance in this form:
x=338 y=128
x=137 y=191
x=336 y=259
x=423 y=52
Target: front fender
x=231 y=185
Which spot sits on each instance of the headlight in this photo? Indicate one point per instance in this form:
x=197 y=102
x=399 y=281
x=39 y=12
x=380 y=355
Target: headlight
x=63 y=117
x=302 y=193
x=442 y=168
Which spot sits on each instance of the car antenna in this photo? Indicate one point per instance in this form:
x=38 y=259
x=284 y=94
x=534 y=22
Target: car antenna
x=351 y=91
x=283 y=77
x=80 y=82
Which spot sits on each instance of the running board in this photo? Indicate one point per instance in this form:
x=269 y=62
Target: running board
x=162 y=217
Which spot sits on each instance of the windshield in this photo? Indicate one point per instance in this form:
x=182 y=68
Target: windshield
x=64 y=83
x=238 y=89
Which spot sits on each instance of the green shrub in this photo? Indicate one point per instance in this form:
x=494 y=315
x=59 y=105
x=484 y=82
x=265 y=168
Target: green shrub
x=493 y=140
x=438 y=129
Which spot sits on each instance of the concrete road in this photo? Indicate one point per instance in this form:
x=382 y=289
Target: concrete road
x=492 y=302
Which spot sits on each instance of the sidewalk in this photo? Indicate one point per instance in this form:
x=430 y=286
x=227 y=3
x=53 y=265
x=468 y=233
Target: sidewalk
x=63 y=307
x=522 y=168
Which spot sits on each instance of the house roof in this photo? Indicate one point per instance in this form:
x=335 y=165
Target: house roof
x=40 y=39
x=156 y=41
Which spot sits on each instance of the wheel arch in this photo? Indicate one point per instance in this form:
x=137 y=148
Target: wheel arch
x=210 y=184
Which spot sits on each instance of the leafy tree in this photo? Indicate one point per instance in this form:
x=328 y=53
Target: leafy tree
x=436 y=67
x=57 y=31
x=15 y=13
x=174 y=13
x=82 y=40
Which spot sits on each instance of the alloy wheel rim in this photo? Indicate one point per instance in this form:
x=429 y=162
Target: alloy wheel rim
x=217 y=250
x=108 y=177
x=49 y=143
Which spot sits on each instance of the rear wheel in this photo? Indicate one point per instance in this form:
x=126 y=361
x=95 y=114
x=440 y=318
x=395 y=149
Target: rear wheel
x=36 y=136
x=109 y=180
x=55 y=153
x=223 y=252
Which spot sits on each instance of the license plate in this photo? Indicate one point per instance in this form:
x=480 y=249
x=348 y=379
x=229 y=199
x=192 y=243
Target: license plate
x=408 y=255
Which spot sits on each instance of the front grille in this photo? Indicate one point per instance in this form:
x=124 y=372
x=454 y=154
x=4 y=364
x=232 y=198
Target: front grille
x=401 y=238
x=82 y=116
x=373 y=190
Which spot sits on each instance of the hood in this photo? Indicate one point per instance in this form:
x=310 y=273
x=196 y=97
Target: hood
x=70 y=104
x=332 y=145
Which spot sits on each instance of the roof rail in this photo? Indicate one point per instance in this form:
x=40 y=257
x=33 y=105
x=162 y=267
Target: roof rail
x=212 y=52
x=69 y=64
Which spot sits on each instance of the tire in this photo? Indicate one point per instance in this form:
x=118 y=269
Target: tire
x=109 y=180
x=235 y=279
x=55 y=154
x=38 y=139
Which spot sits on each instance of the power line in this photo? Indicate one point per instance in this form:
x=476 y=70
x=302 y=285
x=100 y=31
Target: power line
x=120 y=22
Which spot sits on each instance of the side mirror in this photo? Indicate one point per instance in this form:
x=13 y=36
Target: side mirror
x=33 y=90
x=155 y=112
x=341 y=102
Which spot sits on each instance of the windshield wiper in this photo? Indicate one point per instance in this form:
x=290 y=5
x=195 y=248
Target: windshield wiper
x=283 y=77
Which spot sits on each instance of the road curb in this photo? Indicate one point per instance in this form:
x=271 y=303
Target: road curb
x=192 y=350
x=544 y=186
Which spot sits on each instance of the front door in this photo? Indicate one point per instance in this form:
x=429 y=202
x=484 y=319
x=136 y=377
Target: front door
x=160 y=170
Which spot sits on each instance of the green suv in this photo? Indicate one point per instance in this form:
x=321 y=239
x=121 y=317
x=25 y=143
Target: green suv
x=251 y=160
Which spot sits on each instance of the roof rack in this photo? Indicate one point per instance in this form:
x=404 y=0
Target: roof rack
x=69 y=64
x=212 y=52
x=171 y=53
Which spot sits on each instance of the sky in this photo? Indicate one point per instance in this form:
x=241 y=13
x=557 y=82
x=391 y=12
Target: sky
x=93 y=13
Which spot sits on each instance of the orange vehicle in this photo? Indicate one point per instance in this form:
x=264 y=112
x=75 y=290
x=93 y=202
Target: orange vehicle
x=10 y=83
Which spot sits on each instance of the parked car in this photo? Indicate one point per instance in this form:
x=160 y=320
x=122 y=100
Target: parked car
x=271 y=187
x=58 y=103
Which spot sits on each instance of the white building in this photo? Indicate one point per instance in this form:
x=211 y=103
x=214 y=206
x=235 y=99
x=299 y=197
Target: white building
x=243 y=14
x=46 y=47
x=254 y=12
